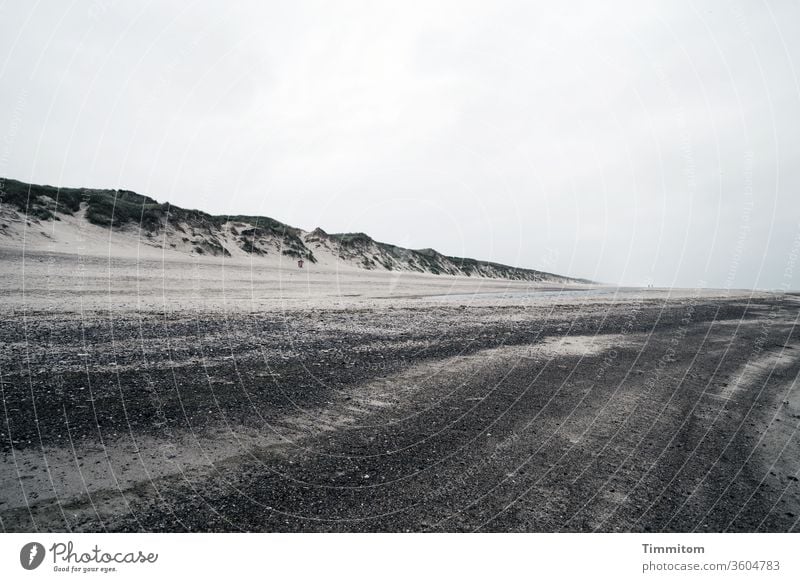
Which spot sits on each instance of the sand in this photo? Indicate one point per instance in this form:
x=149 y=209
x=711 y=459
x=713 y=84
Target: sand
x=152 y=391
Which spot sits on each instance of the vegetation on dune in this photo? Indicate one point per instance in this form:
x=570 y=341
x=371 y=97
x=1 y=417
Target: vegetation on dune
x=120 y=207
x=253 y=234
x=103 y=207
x=40 y=202
x=352 y=239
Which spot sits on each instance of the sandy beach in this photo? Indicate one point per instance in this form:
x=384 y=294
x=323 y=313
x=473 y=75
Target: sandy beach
x=162 y=393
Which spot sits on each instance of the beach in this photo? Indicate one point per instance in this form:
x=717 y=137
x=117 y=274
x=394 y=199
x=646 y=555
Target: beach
x=154 y=393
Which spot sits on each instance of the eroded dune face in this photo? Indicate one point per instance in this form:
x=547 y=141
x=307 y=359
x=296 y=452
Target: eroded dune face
x=119 y=223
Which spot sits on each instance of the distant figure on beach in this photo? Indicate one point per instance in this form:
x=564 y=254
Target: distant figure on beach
x=300 y=264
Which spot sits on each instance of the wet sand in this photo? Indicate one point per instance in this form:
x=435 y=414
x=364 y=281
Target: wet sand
x=141 y=395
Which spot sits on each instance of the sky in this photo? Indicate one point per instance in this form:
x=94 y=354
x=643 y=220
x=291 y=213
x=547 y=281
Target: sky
x=627 y=142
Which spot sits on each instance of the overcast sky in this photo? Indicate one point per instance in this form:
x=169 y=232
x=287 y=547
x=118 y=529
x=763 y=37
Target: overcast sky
x=628 y=142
